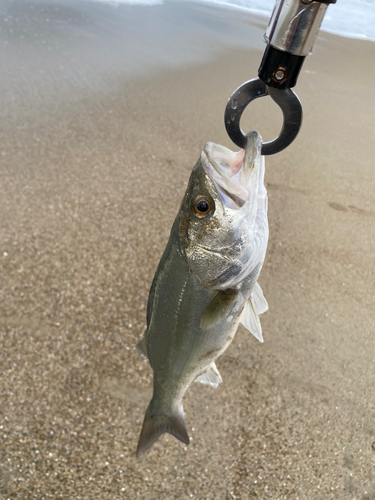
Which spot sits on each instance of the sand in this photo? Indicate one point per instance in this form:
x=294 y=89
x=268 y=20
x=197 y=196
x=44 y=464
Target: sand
x=104 y=111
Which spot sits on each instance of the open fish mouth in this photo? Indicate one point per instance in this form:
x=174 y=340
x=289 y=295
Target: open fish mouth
x=233 y=172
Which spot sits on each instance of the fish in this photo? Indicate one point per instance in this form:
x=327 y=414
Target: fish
x=206 y=282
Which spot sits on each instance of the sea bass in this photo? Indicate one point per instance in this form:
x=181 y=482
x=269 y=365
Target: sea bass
x=206 y=281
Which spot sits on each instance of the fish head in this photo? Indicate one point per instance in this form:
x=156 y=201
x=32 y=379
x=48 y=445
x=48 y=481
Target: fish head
x=224 y=214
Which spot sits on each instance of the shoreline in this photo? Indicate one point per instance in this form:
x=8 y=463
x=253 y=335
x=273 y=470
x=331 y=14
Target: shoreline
x=244 y=10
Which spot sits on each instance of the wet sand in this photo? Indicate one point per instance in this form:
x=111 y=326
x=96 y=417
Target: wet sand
x=104 y=111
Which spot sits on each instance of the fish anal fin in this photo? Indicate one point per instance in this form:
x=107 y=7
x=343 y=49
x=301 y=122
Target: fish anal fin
x=250 y=320
x=211 y=376
x=154 y=426
x=259 y=302
x=218 y=307
x=142 y=347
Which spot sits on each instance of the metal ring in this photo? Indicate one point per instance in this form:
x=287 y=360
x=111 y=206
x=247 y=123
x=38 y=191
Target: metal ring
x=286 y=99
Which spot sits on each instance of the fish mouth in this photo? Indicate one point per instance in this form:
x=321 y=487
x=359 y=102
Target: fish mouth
x=233 y=172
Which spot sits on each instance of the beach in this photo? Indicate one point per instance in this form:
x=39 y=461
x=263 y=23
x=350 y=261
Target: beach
x=104 y=112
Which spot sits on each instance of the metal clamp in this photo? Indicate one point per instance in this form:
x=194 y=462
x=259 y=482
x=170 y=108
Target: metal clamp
x=290 y=35
x=286 y=99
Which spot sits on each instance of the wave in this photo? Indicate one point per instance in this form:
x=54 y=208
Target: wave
x=349 y=18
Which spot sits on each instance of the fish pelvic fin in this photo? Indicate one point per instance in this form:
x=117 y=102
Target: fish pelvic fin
x=250 y=320
x=156 y=425
x=258 y=299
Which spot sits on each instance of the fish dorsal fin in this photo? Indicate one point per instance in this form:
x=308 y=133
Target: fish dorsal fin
x=142 y=347
x=211 y=376
x=259 y=302
x=218 y=307
x=250 y=320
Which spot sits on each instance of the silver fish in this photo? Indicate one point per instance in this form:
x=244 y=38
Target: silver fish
x=206 y=281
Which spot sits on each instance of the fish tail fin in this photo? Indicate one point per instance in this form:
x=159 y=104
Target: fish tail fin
x=156 y=425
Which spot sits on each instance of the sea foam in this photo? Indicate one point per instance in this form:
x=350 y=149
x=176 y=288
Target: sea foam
x=350 y=18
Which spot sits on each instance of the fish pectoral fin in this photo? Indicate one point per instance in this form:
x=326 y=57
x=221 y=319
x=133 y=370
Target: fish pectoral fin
x=211 y=376
x=250 y=320
x=154 y=426
x=259 y=302
x=142 y=347
x=218 y=307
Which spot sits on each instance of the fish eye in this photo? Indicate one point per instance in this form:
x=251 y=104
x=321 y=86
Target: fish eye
x=202 y=207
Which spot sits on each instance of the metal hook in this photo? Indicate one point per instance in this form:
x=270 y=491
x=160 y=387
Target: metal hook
x=286 y=99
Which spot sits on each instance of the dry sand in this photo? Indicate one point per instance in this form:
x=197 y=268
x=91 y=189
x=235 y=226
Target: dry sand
x=104 y=111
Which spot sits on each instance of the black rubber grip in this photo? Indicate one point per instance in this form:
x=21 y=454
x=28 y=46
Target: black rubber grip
x=280 y=69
